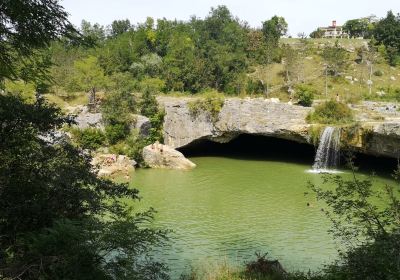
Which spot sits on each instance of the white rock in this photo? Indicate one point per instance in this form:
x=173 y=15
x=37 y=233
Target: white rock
x=110 y=164
x=142 y=124
x=393 y=78
x=162 y=156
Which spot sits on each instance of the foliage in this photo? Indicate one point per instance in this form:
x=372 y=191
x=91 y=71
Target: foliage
x=357 y=28
x=116 y=132
x=89 y=138
x=366 y=219
x=149 y=108
x=292 y=64
x=317 y=34
x=93 y=34
x=84 y=231
x=22 y=89
x=274 y=28
x=378 y=73
x=118 y=107
x=386 y=32
x=255 y=87
x=88 y=75
x=336 y=59
x=25 y=27
x=148 y=103
x=331 y=112
x=132 y=146
x=119 y=27
x=305 y=95
x=211 y=104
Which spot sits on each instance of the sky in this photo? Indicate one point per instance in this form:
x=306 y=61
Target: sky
x=301 y=15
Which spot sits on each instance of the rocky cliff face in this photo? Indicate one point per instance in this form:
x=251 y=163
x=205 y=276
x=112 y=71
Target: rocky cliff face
x=238 y=116
x=264 y=117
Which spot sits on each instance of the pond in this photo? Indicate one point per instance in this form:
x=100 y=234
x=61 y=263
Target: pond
x=230 y=207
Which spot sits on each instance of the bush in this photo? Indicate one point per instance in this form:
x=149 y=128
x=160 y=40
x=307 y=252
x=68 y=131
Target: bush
x=255 y=87
x=211 y=104
x=305 y=95
x=132 y=147
x=89 y=138
x=116 y=132
x=118 y=107
x=152 y=84
x=378 y=73
x=331 y=112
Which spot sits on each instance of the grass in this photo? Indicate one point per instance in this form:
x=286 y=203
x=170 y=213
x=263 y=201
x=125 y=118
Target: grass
x=79 y=98
x=312 y=71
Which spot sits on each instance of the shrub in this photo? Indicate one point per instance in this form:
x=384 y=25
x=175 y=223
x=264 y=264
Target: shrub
x=148 y=103
x=132 y=147
x=331 y=112
x=116 y=132
x=378 y=73
x=211 y=104
x=305 y=95
x=153 y=84
x=118 y=107
x=255 y=87
x=89 y=138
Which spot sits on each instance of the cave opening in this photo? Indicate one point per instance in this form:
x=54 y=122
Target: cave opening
x=258 y=147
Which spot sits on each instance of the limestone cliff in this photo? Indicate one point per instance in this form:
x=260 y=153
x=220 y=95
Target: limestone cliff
x=261 y=116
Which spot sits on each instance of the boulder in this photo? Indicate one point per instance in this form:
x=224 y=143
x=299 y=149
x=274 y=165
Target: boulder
x=86 y=119
x=162 y=156
x=142 y=124
x=112 y=164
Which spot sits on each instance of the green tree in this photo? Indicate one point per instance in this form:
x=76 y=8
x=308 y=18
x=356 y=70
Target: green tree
x=317 y=34
x=119 y=27
x=365 y=218
x=274 y=29
x=386 y=32
x=149 y=108
x=93 y=34
x=335 y=59
x=356 y=27
x=88 y=75
x=58 y=220
x=25 y=27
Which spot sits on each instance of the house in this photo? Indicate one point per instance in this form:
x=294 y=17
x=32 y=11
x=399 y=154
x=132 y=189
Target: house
x=333 y=31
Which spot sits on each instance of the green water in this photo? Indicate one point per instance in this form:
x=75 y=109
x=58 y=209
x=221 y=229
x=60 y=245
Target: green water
x=227 y=209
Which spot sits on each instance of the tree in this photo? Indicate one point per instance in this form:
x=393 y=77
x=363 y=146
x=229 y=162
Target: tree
x=336 y=59
x=89 y=76
x=386 y=32
x=317 y=34
x=366 y=219
x=58 y=220
x=356 y=27
x=119 y=27
x=274 y=29
x=93 y=34
x=25 y=27
x=292 y=64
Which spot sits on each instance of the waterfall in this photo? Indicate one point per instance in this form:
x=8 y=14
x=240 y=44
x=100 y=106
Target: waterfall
x=328 y=153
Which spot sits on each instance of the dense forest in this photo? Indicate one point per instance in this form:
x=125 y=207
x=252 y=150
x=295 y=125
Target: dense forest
x=59 y=220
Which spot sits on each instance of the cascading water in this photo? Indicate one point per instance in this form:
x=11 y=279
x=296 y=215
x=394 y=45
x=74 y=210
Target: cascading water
x=328 y=153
